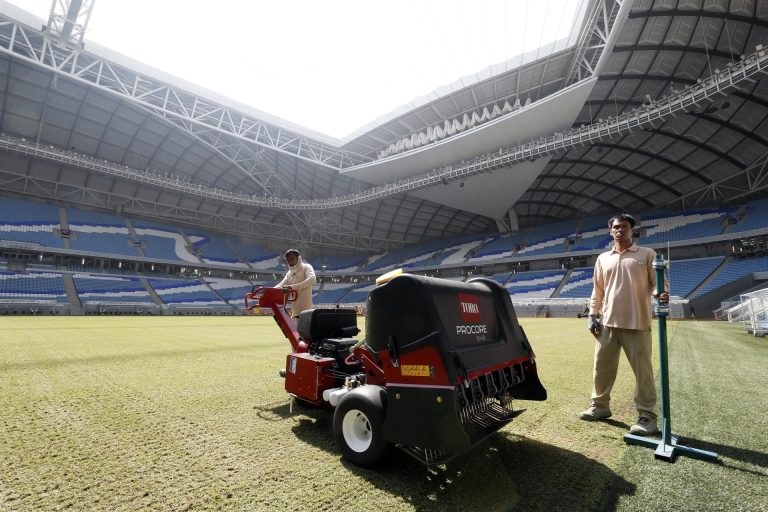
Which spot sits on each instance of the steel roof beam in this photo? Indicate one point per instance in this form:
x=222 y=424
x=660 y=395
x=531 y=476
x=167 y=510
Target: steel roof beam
x=646 y=116
x=698 y=13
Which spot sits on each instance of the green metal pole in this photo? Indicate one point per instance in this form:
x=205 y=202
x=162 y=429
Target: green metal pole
x=662 y=311
x=666 y=447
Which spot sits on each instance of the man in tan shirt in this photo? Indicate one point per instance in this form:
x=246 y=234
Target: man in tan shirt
x=624 y=282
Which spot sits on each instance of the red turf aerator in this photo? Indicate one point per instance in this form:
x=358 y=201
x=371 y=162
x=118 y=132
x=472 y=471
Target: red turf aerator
x=435 y=375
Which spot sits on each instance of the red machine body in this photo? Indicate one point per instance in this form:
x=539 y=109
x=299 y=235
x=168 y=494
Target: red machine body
x=307 y=376
x=436 y=374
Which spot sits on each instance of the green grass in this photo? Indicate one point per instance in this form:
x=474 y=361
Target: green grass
x=187 y=413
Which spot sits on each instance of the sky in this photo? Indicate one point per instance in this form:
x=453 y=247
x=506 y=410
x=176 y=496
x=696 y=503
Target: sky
x=329 y=65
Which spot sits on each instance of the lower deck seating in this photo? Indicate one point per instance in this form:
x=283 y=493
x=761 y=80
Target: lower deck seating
x=185 y=292
x=534 y=284
x=579 y=284
x=95 y=288
x=42 y=287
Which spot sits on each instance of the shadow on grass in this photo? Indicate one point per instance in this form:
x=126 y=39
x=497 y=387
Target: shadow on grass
x=616 y=423
x=506 y=472
x=740 y=454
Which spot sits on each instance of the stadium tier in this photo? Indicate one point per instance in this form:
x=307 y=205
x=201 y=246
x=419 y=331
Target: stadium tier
x=39 y=287
x=731 y=270
x=348 y=263
x=499 y=246
x=534 y=284
x=333 y=293
x=686 y=275
x=231 y=290
x=579 y=284
x=185 y=292
x=95 y=288
x=259 y=257
x=214 y=248
x=456 y=250
x=99 y=232
x=163 y=241
x=29 y=222
x=548 y=239
x=359 y=294
x=755 y=217
x=409 y=257
x=683 y=226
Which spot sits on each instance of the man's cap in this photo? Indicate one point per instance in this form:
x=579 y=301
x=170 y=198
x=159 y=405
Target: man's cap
x=292 y=251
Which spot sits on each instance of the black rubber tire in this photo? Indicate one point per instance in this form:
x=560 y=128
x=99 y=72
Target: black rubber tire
x=363 y=409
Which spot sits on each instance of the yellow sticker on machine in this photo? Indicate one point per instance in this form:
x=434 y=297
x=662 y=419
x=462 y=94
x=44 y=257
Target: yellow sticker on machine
x=415 y=370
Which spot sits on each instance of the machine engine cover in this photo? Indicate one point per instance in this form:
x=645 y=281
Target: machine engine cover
x=317 y=324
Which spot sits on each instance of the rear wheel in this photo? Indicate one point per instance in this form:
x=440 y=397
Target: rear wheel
x=358 y=426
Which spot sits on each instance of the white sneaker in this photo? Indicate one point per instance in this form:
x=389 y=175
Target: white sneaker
x=594 y=413
x=645 y=426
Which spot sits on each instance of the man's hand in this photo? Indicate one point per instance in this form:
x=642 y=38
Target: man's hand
x=287 y=287
x=663 y=298
x=594 y=326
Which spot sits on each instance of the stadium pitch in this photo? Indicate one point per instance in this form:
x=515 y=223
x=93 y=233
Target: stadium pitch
x=189 y=413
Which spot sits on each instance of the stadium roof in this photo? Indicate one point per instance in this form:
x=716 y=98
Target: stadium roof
x=102 y=131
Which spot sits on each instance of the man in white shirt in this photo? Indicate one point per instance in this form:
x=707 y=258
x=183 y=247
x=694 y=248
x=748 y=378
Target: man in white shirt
x=300 y=277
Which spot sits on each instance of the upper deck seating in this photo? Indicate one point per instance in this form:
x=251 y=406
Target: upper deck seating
x=756 y=217
x=456 y=249
x=214 y=248
x=259 y=257
x=163 y=241
x=345 y=263
x=548 y=239
x=499 y=246
x=30 y=222
x=674 y=227
x=99 y=232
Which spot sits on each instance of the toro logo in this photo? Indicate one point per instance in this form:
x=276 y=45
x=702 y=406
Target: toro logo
x=470 y=312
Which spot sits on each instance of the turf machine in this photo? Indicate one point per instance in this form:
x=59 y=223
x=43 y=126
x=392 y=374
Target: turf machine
x=435 y=375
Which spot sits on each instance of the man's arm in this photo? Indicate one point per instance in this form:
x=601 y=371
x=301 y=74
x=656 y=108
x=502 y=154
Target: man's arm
x=598 y=290
x=284 y=281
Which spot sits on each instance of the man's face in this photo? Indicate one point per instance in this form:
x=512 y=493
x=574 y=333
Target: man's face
x=292 y=259
x=621 y=231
